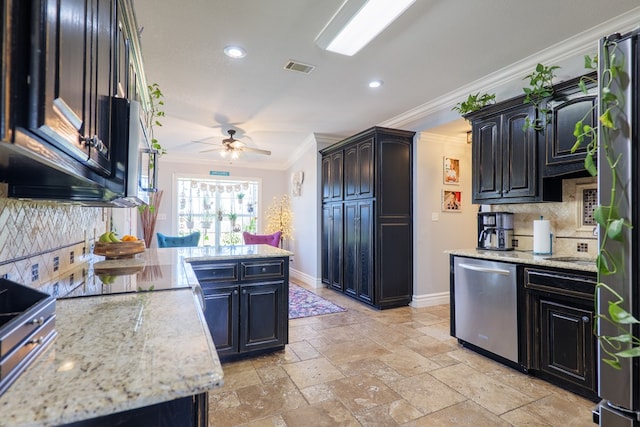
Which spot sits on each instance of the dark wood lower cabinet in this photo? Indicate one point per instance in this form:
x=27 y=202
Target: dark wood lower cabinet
x=222 y=309
x=246 y=304
x=562 y=345
x=191 y=411
x=566 y=343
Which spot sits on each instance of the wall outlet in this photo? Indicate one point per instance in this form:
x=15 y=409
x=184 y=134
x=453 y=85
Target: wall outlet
x=583 y=247
x=514 y=243
x=162 y=216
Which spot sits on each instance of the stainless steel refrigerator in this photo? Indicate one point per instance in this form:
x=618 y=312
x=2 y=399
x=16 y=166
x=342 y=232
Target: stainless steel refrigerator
x=620 y=389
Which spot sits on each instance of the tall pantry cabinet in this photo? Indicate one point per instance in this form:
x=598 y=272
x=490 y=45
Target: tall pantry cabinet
x=367 y=236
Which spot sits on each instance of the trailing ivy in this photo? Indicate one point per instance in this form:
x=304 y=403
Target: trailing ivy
x=624 y=344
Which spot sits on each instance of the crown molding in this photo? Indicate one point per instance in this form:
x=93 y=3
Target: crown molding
x=571 y=48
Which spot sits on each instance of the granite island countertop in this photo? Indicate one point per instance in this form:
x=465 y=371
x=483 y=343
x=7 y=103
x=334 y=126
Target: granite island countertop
x=527 y=257
x=119 y=348
x=114 y=353
x=215 y=253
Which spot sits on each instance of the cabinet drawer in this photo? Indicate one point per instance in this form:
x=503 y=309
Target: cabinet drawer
x=262 y=269
x=578 y=285
x=205 y=272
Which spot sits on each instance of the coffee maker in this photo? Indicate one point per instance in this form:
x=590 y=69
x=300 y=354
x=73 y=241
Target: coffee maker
x=495 y=231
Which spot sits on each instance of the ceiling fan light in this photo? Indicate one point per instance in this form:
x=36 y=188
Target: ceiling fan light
x=223 y=153
x=235 y=154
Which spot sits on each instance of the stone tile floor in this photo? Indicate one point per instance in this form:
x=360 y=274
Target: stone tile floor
x=394 y=367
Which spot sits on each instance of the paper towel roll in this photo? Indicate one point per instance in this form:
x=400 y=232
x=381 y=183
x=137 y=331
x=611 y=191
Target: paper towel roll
x=541 y=236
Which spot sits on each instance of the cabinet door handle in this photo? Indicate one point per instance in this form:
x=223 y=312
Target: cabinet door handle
x=585 y=319
x=244 y=292
x=235 y=292
x=95 y=142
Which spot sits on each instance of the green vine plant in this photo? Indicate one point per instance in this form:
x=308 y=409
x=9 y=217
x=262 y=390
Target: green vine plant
x=623 y=344
x=540 y=88
x=474 y=102
x=156 y=111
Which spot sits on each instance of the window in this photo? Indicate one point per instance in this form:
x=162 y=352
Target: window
x=219 y=209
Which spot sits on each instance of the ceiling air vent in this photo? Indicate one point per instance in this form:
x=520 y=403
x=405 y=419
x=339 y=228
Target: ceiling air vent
x=299 y=67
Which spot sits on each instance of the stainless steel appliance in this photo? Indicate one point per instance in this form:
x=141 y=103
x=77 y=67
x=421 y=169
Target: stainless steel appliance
x=620 y=388
x=27 y=327
x=485 y=306
x=495 y=231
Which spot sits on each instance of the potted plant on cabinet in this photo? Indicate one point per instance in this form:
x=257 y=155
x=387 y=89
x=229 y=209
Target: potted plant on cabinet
x=149 y=213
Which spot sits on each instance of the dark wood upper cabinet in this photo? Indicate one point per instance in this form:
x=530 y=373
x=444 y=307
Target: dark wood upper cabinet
x=332 y=177
x=505 y=156
x=70 y=99
x=568 y=106
x=358 y=170
x=69 y=67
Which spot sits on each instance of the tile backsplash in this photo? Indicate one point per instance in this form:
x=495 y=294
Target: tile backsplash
x=571 y=220
x=39 y=239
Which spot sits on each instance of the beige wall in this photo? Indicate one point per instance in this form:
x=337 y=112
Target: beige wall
x=434 y=230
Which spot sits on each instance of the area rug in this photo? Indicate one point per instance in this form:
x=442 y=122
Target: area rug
x=303 y=303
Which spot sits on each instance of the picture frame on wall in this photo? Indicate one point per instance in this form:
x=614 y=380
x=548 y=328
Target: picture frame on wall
x=451 y=201
x=451 y=170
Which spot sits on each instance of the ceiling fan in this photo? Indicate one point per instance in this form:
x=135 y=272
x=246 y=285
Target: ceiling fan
x=232 y=147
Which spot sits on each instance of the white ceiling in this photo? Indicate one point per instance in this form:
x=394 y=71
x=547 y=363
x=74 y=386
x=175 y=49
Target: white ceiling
x=436 y=48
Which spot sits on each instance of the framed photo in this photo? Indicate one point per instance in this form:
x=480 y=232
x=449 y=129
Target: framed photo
x=451 y=201
x=451 y=171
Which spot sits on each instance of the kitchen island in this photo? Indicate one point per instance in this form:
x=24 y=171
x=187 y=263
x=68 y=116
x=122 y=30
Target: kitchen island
x=246 y=294
x=132 y=342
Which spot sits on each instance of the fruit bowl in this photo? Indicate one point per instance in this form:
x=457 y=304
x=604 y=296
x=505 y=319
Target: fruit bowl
x=118 y=250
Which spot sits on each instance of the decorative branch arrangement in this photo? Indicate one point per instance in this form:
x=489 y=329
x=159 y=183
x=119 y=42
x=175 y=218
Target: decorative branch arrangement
x=280 y=217
x=148 y=216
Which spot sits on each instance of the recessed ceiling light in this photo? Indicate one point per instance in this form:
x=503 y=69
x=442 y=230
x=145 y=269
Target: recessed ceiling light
x=375 y=83
x=235 y=52
x=357 y=22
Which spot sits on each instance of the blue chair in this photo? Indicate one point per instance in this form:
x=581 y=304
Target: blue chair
x=178 y=241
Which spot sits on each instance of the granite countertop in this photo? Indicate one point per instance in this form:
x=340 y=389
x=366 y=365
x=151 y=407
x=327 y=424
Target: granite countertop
x=130 y=350
x=118 y=348
x=527 y=257
x=215 y=253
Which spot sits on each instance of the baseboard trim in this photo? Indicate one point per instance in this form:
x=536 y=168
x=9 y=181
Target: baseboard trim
x=429 y=300
x=305 y=279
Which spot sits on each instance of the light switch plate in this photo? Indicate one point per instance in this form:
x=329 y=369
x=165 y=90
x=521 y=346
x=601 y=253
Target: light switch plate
x=435 y=216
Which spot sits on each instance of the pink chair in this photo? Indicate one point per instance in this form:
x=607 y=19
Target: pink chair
x=255 y=239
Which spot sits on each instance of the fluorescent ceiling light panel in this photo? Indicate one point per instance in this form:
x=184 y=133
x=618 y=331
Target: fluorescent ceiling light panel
x=357 y=22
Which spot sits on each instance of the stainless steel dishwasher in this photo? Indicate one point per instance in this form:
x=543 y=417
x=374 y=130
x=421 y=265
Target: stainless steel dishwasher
x=486 y=305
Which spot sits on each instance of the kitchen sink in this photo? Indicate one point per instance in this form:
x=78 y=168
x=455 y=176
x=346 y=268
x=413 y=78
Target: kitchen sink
x=573 y=260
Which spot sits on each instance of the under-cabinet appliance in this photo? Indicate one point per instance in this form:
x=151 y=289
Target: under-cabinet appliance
x=495 y=231
x=140 y=174
x=619 y=389
x=486 y=306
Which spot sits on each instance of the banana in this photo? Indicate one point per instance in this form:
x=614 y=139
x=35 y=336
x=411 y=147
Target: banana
x=107 y=279
x=104 y=238
x=113 y=238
